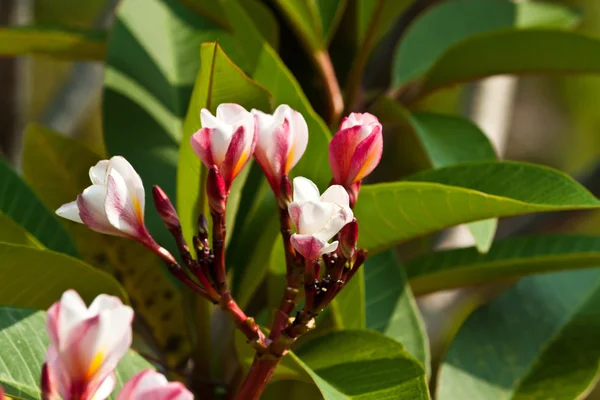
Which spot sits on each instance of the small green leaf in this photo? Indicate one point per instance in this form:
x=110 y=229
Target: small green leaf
x=315 y=21
x=394 y=212
x=218 y=81
x=362 y=365
x=57 y=168
x=508 y=259
x=11 y=232
x=18 y=202
x=23 y=344
x=39 y=277
x=445 y=27
x=535 y=341
x=391 y=308
x=58 y=42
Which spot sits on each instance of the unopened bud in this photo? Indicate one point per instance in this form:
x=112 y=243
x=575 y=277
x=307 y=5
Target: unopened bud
x=165 y=208
x=348 y=239
x=202 y=226
x=216 y=191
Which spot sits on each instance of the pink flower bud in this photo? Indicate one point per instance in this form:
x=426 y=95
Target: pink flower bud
x=282 y=140
x=226 y=140
x=114 y=204
x=165 y=209
x=356 y=149
x=317 y=218
x=86 y=345
x=150 y=384
x=348 y=239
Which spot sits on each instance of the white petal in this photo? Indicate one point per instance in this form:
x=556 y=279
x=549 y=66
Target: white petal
x=93 y=211
x=106 y=388
x=208 y=120
x=299 y=131
x=336 y=194
x=330 y=247
x=151 y=381
x=338 y=219
x=98 y=172
x=119 y=207
x=220 y=141
x=104 y=302
x=70 y=211
x=305 y=190
x=232 y=114
x=314 y=217
x=72 y=311
x=135 y=187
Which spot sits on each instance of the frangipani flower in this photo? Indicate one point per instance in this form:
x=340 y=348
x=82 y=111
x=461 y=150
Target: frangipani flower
x=86 y=345
x=356 y=149
x=226 y=140
x=151 y=385
x=114 y=204
x=282 y=140
x=317 y=218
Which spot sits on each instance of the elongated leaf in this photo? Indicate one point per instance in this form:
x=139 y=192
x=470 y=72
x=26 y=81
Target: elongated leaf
x=264 y=20
x=57 y=169
x=557 y=358
x=391 y=308
x=507 y=259
x=219 y=81
x=427 y=140
x=314 y=21
x=23 y=344
x=391 y=213
x=375 y=19
x=34 y=278
x=444 y=27
x=11 y=232
x=18 y=202
x=152 y=63
x=362 y=365
x=59 y=42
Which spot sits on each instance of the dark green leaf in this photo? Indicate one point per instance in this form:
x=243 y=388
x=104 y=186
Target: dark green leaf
x=18 y=202
x=57 y=167
x=23 y=345
x=11 y=232
x=59 y=42
x=362 y=365
x=264 y=20
x=508 y=259
x=445 y=27
x=375 y=19
x=391 y=308
x=535 y=341
x=35 y=278
x=393 y=212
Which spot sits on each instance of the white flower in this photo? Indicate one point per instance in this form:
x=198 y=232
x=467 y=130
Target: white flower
x=317 y=218
x=150 y=384
x=113 y=204
x=282 y=140
x=86 y=345
x=226 y=140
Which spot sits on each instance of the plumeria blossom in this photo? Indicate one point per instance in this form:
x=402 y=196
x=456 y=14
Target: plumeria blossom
x=282 y=140
x=226 y=140
x=113 y=204
x=317 y=218
x=86 y=345
x=355 y=150
x=151 y=385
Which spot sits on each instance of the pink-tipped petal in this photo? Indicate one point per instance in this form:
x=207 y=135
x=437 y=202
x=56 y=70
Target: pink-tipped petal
x=136 y=194
x=52 y=322
x=70 y=211
x=65 y=316
x=200 y=142
x=341 y=150
x=92 y=211
x=129 y=388
x=238 y=155
x=366 y=156
x=295 y=210
x=121 y=212
x=310 y=246
x=151 y=385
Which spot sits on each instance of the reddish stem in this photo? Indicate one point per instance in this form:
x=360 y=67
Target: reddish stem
x=218 y=246
x=244 y=323
x=257 y=378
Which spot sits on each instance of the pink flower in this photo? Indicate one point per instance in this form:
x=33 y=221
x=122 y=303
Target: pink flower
x=317 y=218
x=113 y=204
x=282 y=140
x=356 y=149
x=86 y=345
x=226 y=140
x=150 y=385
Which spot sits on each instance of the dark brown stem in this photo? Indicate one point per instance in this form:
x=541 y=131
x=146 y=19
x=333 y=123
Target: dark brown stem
x=218 y=246
x=335 y=101
x=257 y=378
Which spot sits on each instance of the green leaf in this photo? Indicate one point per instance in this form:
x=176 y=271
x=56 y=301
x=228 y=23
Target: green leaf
x=427 y=140
x=57 y=168
x=11 y=232
x=23 y=345
x=264 y=20
x=391 y=308
x=362 y=365
x=535 y=341
x=376 y=18
x=315 y=21
x=18 y=202
x=219 y=81
x=394 y=212
x=446 y=28
x=151 y=67
x=508 y=259
x=59 y=42
x=37 y=278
